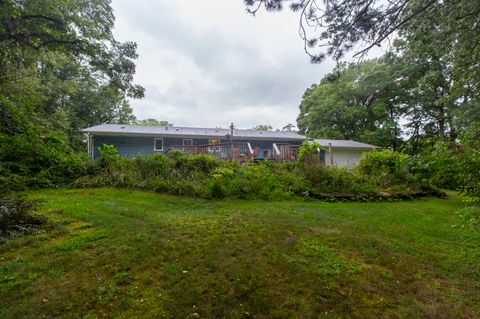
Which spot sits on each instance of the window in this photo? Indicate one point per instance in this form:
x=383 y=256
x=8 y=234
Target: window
x=158 y=144
x=214 y=142
x=187 y=142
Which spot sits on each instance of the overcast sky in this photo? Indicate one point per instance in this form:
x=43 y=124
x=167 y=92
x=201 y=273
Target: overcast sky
x=209 y=62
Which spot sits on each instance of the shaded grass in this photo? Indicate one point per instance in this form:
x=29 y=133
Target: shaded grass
x=120 y=253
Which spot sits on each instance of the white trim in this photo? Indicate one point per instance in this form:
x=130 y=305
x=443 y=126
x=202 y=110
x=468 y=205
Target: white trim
x=187 y=139
x=155 y=144
x=275 y=149
x=88 y=145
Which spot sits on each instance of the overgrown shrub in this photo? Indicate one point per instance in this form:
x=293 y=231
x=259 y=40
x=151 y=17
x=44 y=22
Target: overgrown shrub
x=384 y=167
x=325 y=179
x=108 y=157
x=438 y=165
x=392 y=172
x=450 y=165
x=38 y=158
x=17 y=217
x=309 y=153
x=208 y=177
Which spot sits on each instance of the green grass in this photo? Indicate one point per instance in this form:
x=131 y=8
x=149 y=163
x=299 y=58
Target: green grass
x=129 y=254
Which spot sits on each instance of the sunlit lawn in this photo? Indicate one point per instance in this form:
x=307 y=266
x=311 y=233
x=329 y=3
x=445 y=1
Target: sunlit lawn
x=129 y=254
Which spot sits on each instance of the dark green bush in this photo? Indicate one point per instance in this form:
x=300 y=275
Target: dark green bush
x=208 y=177
x=392 y=172
x=324 y=179
x=450 y=165
x=438 y=165
x=17 y=217
x=384 y=167
x=38 y=158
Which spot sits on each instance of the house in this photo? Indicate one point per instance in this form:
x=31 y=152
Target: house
x=133 y=140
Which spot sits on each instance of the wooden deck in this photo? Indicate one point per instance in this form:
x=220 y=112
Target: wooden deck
x=241 y=151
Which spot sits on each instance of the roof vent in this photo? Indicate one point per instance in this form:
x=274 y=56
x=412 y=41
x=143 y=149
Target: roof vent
x=122 y=127
x=177 y=129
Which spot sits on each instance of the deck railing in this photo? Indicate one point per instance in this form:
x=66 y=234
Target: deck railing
x=240 y=151
x=285 y=152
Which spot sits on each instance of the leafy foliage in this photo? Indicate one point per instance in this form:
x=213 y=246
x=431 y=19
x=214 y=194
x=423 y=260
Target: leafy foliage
x=309 y=153
x=39 y=158
x=344 y=25
x=385 y=167
x=262 y=127
x=356 y=101
x=451 y=166
x=61 y=68
x=17 y=217
x=152 y=122
x=208 y=177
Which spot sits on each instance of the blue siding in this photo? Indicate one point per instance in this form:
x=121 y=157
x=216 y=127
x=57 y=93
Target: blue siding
x=141 y=145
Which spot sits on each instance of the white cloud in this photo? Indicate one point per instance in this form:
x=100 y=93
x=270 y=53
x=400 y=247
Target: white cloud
x=209 y=62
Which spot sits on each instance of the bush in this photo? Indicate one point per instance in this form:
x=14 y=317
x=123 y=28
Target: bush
x=326 y=179
x=450 y=165
x=437 y=165
x=309 y=153
x=17 y=217
x=392 y=172
x=468 y=176
x=208 y=177
x=384 y=167
x=38 y=158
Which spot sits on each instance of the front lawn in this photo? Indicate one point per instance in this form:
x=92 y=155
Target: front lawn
x=129 y=254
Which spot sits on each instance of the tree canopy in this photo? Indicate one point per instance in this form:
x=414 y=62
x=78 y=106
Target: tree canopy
x=262 y=127
x=334 y=27
x=61 y=67
x=153 y=122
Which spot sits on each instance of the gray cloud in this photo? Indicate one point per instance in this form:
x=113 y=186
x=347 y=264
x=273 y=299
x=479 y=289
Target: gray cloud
x=207 y=64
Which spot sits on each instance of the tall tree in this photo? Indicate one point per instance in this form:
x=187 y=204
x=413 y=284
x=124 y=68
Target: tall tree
x=288 y=128
x=59 y=62
x=262 y=127
x=153 y=122
x=343 y=25
x=356 y=101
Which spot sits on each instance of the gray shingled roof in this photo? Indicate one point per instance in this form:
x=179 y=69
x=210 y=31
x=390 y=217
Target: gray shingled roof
x=115 y=129
x=344 y=144
x=121 y=129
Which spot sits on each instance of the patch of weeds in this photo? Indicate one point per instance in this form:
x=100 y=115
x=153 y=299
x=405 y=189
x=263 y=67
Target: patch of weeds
x=84 y=241
x=9 y=272
x=323 y=258
x=11 y=266
x=172 y=268
x=106 y=293
x=470 y=216
x=123 y=278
